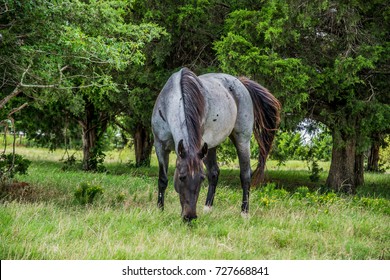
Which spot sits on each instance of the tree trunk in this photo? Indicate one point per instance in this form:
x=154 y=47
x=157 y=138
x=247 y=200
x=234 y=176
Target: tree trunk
x=359 y=169
x=142 y=145
x=89 y=137
x=373 y=157
x=94 y=124
x=346 y=168
x=89 y=142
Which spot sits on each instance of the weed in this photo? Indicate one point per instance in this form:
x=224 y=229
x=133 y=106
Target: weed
x=301 y=192
x=86 y=193
x=270 y=190
x=120 y=197
x=70 y=164
x=376 y=204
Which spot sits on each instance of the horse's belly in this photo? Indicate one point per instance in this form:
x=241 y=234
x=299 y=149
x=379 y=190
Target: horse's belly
x=220 y=119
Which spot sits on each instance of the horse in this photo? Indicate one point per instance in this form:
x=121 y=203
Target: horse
x=193 y=115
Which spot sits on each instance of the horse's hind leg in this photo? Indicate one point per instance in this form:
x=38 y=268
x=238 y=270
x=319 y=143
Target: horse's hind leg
x=163 y=159
x=242 y=145
x=212 y=176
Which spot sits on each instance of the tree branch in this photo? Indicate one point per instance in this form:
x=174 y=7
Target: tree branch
x=14 y=93
x=121 y=126
x=17 y=109
x=372 y=91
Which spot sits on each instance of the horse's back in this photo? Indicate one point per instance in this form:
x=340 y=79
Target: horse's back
x=230 y=108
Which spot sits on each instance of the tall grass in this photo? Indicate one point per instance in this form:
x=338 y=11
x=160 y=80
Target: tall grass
x=289 y=218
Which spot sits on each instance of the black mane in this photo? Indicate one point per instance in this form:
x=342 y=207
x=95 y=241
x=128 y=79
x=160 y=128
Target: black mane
x=194 y=108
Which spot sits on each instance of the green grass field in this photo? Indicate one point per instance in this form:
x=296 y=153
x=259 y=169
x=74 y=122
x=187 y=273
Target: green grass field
x=289 y=217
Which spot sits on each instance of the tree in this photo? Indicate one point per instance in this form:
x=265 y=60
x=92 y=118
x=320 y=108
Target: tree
x=192 y=27
x=71 y=53
x=326 y=60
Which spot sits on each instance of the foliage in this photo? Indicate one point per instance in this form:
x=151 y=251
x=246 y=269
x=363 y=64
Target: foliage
x=384 y=160
x=377 y=204
x=86 y=193
x=314 y=147
x=326 y=60
x=70 y=163
x=315 y=171
x=269 y=194
x=191 y=27
x=12 y=164
x=226 y=152
x=289 y=145
x=95 y=162
x=82 y=65
x=67 y=57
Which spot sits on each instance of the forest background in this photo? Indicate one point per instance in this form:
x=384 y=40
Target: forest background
x=81 y=74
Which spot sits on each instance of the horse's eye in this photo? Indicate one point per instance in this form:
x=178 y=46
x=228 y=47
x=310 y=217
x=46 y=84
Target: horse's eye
x=182 y=178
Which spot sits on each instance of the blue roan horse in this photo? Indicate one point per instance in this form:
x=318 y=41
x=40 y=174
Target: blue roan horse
x=193 y=115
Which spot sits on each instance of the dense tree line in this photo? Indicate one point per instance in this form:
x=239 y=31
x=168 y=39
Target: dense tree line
x=81 y=66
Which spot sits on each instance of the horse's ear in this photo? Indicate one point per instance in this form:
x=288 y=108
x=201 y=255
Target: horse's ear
x=203 y=152
x=181 y=150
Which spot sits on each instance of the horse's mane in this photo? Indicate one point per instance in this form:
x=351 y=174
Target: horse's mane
x=194 y=108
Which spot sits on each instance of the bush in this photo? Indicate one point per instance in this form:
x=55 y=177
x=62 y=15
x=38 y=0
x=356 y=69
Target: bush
x=269 y=194
x=301 y=192
x=381 y=205
x=12 y=164
x=96 y=161
x=86 y=193
x=315 y=171
x=70 y=163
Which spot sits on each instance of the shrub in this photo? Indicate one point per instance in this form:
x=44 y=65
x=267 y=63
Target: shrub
x=12 y=164
x=381 y=205
x=315 y=171
x=86 y=193
x=70 y=163
x=269 y=194
x=301 y=192
x=96 y=161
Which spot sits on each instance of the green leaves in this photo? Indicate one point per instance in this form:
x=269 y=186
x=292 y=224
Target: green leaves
x=11 y=164
x=88 y=39
x=323 y=59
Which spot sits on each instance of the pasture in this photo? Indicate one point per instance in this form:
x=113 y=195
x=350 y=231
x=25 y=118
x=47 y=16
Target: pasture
x=290 y=217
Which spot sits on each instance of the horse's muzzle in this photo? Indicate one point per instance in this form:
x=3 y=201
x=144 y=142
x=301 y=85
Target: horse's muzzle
x=189 y=213
x=189 y=218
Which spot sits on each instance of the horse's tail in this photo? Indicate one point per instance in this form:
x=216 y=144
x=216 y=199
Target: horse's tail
x=267 y=118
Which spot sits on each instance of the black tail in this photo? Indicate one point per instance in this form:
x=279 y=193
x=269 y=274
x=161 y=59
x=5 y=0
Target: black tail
x=267 y=118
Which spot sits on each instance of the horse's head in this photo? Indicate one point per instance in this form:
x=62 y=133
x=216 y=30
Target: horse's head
x=189 y=175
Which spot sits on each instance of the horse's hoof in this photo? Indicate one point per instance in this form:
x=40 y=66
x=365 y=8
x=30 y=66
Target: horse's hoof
x=245 y=215
x=207 y=209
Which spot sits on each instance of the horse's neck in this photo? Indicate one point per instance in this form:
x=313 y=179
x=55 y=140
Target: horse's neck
x=175 y=114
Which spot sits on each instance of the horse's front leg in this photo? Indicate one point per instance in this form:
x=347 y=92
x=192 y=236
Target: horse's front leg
x=212 y=177
x=163 y=159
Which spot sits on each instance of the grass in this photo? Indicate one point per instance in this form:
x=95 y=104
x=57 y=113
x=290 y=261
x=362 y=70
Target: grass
x=289 y=218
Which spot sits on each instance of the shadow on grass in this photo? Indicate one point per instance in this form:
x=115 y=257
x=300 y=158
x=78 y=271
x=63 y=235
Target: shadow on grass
x=377 y=185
